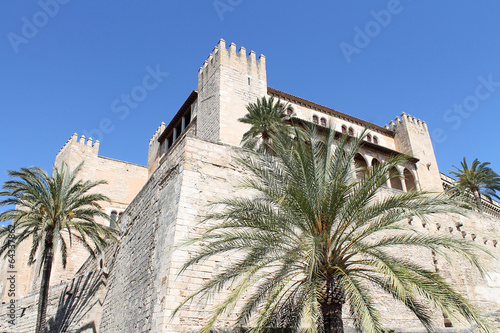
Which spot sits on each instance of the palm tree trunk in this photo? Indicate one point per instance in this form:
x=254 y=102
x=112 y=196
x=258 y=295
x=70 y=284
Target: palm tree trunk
x=47 y=258
x=477 y=198
x=332 y=318
x=331 y=306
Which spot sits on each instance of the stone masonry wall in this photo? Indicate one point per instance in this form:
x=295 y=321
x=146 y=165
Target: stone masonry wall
x=124 y=180
x=133 y=297
x=173 y=204
x=74 y=305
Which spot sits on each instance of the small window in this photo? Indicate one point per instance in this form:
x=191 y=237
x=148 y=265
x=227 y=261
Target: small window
x=344 y=129
x=361 y=166
x=409 y=180
x=249 y=80
x=369 y=138
x=315 y=120
x=395 y=179
x=323 y=122
x=113 y=216
x=120 y=214
x=351 y=131
x=375 y=140
x=289 y=111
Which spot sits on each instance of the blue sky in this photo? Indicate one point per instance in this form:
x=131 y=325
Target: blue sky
x=64 y=63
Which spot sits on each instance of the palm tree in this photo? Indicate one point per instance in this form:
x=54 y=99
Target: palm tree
x=50 y=211
x=314 y=237
x=478 y=179
x=267 y=117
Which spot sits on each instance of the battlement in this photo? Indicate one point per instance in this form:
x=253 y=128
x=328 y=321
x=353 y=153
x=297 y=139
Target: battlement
x=406 y=119
x=157 y=134
x=221 y=55
x=73 y=140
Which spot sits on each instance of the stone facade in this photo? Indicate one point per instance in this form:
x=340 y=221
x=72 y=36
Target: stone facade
x=191 y=164
x=124 y=180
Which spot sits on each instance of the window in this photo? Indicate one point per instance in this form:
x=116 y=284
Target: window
x=361 y=166
x=344 y=129
x=395 y=180
x=323 y=122
x=289 y=111
x=409 y=180
x=113 y=216
x=315 y=120
x=351 y=131
x=369 y=138
x=375 y=140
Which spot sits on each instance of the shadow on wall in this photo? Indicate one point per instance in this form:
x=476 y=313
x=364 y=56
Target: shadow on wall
x=80 y=300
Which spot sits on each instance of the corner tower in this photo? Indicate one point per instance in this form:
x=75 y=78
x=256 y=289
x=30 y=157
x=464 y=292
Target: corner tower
x=227 y=82
x=412 y=138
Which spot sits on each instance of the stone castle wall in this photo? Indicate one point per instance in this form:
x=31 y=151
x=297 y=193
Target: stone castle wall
x=175 y=201
x=74 y=305
x=140 y=278
x=124 y=180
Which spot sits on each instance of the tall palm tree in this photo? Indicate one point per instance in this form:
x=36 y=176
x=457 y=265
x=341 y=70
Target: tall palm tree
x=52 y=211
x=314 y=237
x=478 y=179
x=267 y=117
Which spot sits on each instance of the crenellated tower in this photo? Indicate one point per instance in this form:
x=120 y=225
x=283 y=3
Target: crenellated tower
x=154 y=151
x=227 y=82
x=76 y=151
x=412 y=138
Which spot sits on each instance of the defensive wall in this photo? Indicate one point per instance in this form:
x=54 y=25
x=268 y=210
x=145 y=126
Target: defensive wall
x=191 y=164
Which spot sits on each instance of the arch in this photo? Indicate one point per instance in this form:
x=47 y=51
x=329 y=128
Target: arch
x=350 y=131
x=375 y=162
x=344 y=129
x=361 y=166
x=410 y=183
x=323 y=121
x=395 y=179
x=315 y=120
x=289 y=111
x=375 y=140
x=114 y=216
x=369 y=138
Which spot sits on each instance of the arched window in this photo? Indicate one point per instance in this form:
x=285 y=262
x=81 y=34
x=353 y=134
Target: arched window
x=113 y=216
x=409 y=180
x=361 y=166
x=369 y=138
x=395 y=180
x=289 y=110
x=375 y=162
x=323 y=122
x=351 y=131
x=315 y=120
x=344 y=129
x=375 y=140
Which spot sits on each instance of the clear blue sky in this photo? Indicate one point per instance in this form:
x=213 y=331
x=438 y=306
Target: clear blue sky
x=63 y=64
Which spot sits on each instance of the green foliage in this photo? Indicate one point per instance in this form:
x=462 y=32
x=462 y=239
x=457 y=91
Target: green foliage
x=477 y=180
x=52 y=211
x=267 y=117
x=315 y=235
x=60 y=203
